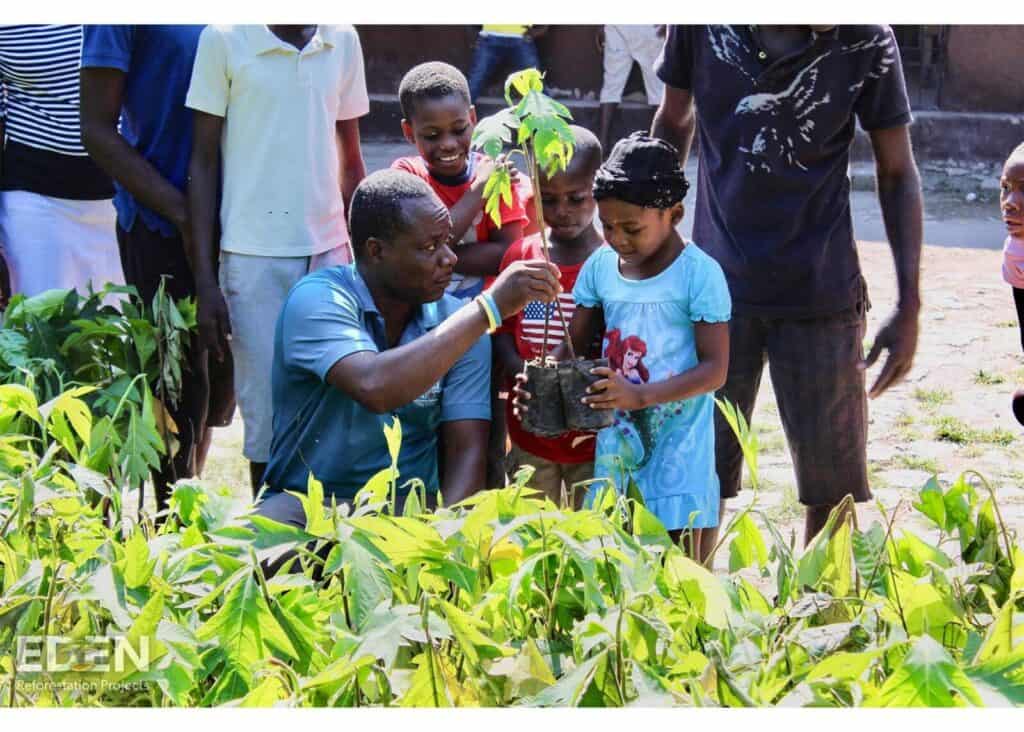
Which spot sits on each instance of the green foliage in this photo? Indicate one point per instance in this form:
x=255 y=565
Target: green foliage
x=503 y=599
x=533 y=124
x=94 y=377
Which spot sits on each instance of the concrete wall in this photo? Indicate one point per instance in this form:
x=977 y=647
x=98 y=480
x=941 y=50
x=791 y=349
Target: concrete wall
x=983 y=69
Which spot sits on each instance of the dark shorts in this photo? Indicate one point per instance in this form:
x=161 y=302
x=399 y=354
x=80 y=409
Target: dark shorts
x=820 y=393
x=145 y=256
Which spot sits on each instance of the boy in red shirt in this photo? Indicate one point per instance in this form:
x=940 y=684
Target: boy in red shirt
x=569 y=209
x=438 y=119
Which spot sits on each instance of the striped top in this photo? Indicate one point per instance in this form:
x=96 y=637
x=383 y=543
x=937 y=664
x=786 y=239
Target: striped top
x=43 y=151
x=39 y=76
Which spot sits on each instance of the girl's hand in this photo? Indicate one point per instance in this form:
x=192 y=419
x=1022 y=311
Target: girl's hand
x=614 y=391
x=520 y=396
x=486 y=166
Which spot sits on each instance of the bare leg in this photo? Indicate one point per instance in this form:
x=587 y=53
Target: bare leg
x=256 y=471
x=709 y=536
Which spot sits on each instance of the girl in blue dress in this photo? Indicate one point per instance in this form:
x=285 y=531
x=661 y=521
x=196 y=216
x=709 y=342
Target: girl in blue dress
x=666 y=309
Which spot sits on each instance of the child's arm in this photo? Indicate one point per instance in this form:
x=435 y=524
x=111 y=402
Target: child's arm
x=508 y=355
x=617 y=392
x=483 y=257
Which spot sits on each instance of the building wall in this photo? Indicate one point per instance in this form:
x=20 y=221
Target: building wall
x=982 y=72
x=567 y=53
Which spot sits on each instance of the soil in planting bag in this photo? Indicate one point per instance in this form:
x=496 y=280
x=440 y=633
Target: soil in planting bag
x=575 y=377
x=546 y=414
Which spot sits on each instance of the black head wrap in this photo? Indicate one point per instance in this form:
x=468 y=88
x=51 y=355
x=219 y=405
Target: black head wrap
x=644 y=171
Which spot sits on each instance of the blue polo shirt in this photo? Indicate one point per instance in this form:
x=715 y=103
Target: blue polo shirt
x=157 y=61
x=773 y=195
x=329 y=315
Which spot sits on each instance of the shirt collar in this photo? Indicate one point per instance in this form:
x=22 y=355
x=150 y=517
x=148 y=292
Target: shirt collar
x=427 y=317
x=264 y=41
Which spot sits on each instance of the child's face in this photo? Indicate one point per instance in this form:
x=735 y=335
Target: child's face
x=637 y=233
x=1011 y=196
x=441 y=130
x=568 y=201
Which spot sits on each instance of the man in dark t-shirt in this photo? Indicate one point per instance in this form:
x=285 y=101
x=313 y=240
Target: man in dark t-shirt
x=775 y=108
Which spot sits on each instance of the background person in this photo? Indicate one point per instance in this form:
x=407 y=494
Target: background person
x=56 y=215
x=288 y=143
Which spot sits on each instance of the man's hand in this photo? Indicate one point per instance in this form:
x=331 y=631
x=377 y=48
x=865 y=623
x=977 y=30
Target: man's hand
x=614 y=391
x=214 y=322
x=898 y=335
x=523 y=282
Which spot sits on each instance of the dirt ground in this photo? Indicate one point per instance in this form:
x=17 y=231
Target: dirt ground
x=951 y=415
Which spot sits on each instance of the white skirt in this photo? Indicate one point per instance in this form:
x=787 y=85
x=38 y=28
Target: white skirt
x=58 y=243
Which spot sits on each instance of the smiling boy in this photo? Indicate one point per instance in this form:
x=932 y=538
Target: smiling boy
x=438 y=119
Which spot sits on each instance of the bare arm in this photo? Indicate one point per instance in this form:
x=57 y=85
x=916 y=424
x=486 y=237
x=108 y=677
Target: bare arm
x=676 y=120
x=616 y=392
x=101 y=92
x=465 y=458
x=483 y=258
x=384 y=381
x=350 y=155
x=203 y=172
x=899 y=194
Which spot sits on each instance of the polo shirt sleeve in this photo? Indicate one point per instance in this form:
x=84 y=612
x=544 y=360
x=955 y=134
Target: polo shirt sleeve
x=353 y=101
x=709 y=294
x=108 y=46
x=320 y=326
x=585 y=291
x=210 y=86
x=675 y=62
x=883 y=101
x=466 y=393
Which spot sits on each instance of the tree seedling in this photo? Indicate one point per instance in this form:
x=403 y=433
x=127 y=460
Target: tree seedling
x=537 y=127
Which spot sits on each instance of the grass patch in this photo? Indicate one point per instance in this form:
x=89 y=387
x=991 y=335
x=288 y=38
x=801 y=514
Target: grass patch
x=951 y=429
x=985 y=378
x=788 y=508
x=932 y=398
x=905 y=429
x=913 y=462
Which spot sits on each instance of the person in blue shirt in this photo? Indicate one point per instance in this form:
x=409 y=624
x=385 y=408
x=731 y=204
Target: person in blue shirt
x=666 y=309
x=138 y=76
x=357 y=346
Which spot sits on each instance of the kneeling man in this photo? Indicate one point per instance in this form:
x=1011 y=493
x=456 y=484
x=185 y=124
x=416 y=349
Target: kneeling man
x=357 y=345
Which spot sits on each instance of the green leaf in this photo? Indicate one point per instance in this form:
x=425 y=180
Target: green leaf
x=1000 y=679
x=928 y=677
x=245 y=628
x=266 y=694
x=522 y=82
x=20 y=400
x=468 y=633
x=393 y=437
x=570 y=688
x=698 y=587
x=137 y=566
x=747 y=548
x=367 y=583
x=492 y=134
x=930 y=503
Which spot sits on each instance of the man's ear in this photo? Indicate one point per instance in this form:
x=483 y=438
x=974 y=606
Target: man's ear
x=472 y=114
x=407 y=132
x=373 y=249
